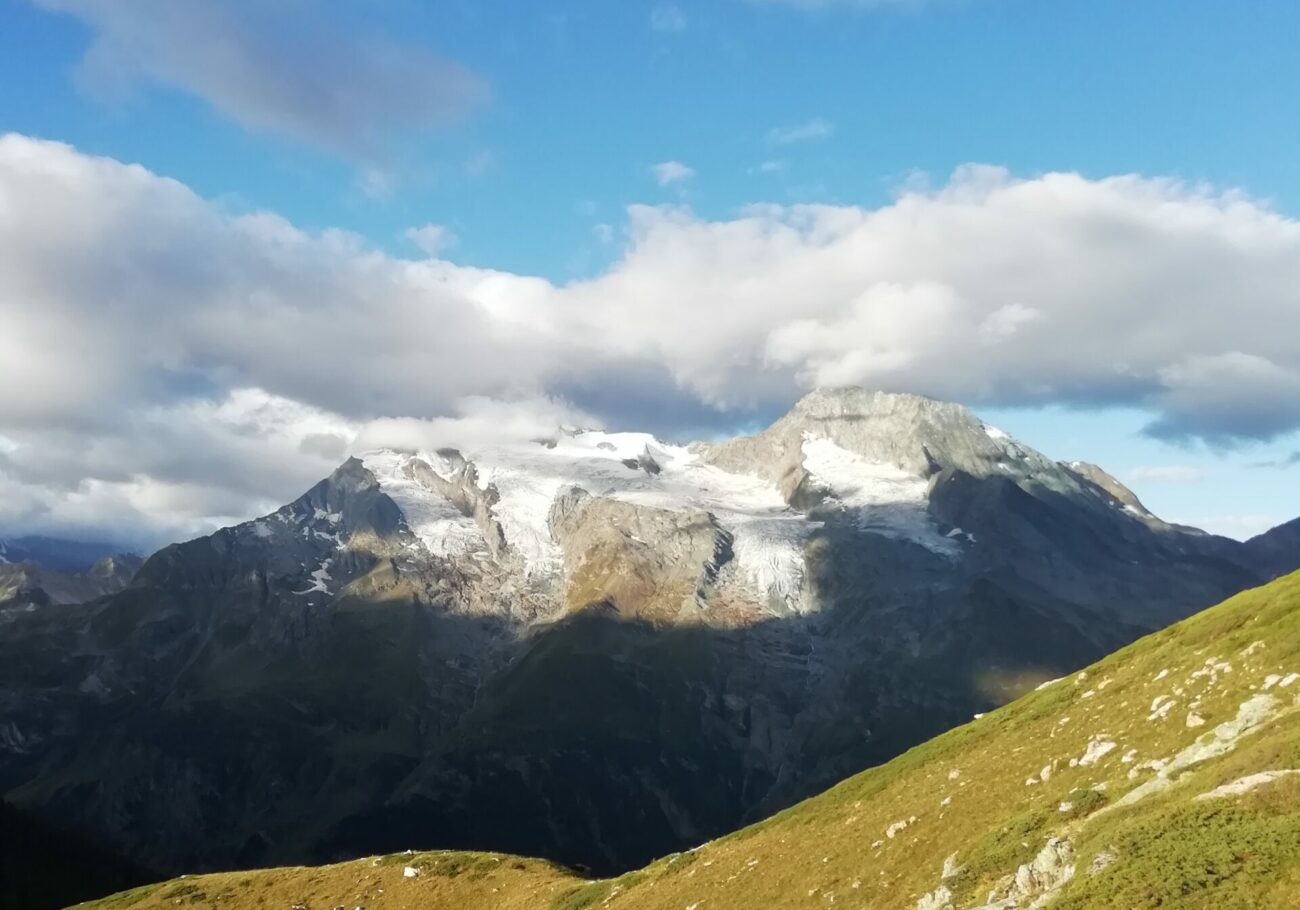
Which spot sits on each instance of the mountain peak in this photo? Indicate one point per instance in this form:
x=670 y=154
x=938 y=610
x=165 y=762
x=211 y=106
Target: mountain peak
x=917 y=435
x=921 y=435
x=850 y=401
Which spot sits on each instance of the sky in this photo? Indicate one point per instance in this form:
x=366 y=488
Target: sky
x=239 y=240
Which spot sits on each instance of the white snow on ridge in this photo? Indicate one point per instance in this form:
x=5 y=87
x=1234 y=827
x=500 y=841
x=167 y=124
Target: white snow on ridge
x=995 y=434
x=526 y=492
x=887 y=499
x=438 y=524
x=768 y=536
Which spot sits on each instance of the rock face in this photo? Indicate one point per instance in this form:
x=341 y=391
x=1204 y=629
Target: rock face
x=596 y=647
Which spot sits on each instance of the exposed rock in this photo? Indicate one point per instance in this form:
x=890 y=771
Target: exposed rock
x=1101 y=862
x=1098 y=748
x=938 y=899
x=1247 y=784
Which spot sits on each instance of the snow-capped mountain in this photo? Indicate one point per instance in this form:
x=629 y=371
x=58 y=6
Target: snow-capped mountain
x=595 y=646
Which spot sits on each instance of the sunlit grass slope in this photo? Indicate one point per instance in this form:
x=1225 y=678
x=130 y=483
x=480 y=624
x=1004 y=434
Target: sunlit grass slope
x=1167 y=775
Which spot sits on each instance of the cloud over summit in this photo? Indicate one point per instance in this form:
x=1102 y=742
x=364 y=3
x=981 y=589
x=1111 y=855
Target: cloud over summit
x=135 y=310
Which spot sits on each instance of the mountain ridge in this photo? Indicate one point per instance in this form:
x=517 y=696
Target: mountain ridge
x=597 y=626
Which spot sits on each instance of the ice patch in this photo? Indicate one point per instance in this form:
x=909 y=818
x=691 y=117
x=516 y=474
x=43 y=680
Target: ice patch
x=887 y=499
x=435 y=522
x=767 y=535
x=318 y=579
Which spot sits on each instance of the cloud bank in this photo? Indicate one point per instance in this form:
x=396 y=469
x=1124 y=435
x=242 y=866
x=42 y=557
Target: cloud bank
x=165 y=365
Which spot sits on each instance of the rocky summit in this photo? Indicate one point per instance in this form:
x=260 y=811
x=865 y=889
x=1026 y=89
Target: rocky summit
x=593 y=647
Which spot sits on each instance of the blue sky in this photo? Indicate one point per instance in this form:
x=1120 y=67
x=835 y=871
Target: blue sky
x=548 y=120
x=587 y=95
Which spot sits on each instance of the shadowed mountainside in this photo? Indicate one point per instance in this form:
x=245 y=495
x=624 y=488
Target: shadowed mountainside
x=1167 y=775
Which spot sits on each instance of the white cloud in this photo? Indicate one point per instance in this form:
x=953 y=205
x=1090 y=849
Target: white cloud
x=169 y=471
x=432 y=239
x=1246 y=395
x=1240 y=527
x=773 y=166
x=808 y=131
x=667 y=173
x=286 y=67
x=164 y=362
x=667 y=17
x=477 y=421
x=1166 y=473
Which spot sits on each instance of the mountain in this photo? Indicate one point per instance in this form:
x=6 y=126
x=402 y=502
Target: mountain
x=39 y=571
x=596 y=647
x=29 y=585
x=43 y=868
x=1275 y=550
x=1167 y=775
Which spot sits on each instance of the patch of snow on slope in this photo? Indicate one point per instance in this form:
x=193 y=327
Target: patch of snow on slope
x=318 y=579
x=767 y=535
x=887 y=499
x=438 y=524
x=526 y=488
x=998 y=435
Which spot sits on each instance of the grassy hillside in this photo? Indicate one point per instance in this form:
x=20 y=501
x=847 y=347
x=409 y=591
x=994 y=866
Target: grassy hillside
x=1167 y=775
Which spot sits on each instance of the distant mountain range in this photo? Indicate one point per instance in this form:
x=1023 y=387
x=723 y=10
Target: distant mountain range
x=56 y=554
x=1165 y=776
x=30 y=584
x=593 y=647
